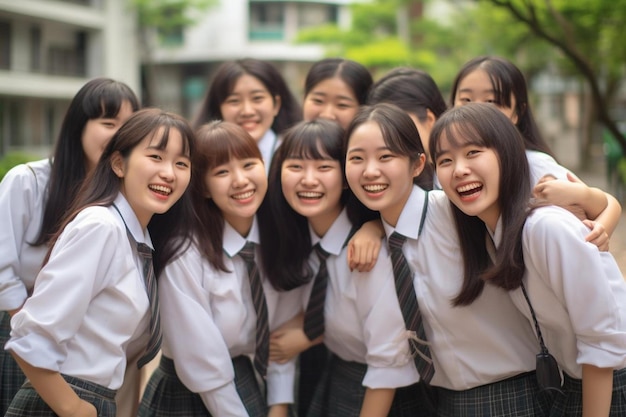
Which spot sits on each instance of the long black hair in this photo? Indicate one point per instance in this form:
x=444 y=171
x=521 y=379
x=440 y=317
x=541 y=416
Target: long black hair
x=98 y=98
x=485 y=126
x=169 y=231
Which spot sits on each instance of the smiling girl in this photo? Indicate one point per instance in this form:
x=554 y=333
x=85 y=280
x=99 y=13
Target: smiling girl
x=92 y=307
x=495 y=80
x=371 y=372
x=539 y=256
x=253 y=94
x=334 y=89
x=481 y=347
x=208 y=295
x=35 y=196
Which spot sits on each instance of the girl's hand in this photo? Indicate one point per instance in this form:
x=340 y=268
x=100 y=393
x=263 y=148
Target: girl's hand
x=559 y=193
x=364 y=246
x=598 y=235
x=287 y=343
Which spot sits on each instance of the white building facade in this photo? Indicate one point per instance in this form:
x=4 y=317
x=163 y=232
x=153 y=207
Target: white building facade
x=48 y=50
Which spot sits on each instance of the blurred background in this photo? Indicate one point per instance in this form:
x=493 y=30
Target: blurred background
x=571 y=51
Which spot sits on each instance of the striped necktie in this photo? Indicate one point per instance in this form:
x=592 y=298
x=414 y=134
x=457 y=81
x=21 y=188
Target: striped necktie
x=410 y=310
x=154 y=343
x=314 y=316
x=260 y=306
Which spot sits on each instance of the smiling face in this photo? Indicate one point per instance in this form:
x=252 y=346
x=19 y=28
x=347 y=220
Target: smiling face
x=313 y=188
x=237 y=189
x=380 y=178
x=153 y=179
x=470 y=176
x=477 y=87
x=251 y=106
x=331 y=99
x=98 y=132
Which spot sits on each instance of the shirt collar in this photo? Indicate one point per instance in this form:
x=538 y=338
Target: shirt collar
x=130 y=220
x=334 y=239
x=234 y=242
x=266 y=145
x=412 y=211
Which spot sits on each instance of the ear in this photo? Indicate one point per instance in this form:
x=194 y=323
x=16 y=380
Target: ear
x=430 y=119
x=418 y=166
x=277 y=104
x=117 y=164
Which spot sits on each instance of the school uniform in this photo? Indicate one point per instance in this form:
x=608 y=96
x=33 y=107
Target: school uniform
x=364 y=331
x=89 y=310
x=542 y=164
x=483 y=353
x=209 y=330
x=579 y=297
x=268 y=144
x=22 y=195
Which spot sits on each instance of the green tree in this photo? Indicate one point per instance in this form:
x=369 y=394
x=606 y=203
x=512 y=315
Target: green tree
x=590 y=36
x=162 y=22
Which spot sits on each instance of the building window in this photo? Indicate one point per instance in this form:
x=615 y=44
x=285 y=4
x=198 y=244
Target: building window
x=267 y=21
x=35 y=48
x=5 y=45
x=317 y=14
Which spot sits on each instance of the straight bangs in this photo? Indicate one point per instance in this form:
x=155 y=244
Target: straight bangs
x=317 y=139
x=107 y=99
x=458 y=128
x=161 y=135
x=219 y=142
x=501 y=88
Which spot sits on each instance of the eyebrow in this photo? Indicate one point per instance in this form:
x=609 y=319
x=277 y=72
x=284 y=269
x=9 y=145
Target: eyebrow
x=381 y=148
x=315 y=93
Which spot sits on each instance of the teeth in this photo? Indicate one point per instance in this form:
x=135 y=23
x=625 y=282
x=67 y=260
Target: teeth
x=161 y=189
x=468 y=187
x=310 y=194
x=243 y=196
x=374 y=188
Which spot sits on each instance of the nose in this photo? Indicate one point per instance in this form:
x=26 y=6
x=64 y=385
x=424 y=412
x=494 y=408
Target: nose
x=247 y=107
x=240 y=180
x=168 y=172
x=371 y=170
x=461 y=169
x=309 y=179
x=328 y=112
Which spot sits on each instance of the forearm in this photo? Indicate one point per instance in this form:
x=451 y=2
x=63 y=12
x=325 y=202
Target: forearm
x=278 y=410
x=52 y=388
x=597 y=391
x=377 y=402
x=594 y=201
x=609 y=217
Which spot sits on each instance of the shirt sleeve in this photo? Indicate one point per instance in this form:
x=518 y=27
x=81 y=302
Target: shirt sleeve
x=17 y=198
x=542 y=164
x=389 y=363
x=77 y=270
x=200 y=355
x=588 y=283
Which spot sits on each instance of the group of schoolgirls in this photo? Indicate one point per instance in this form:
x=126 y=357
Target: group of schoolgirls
x=368 y=253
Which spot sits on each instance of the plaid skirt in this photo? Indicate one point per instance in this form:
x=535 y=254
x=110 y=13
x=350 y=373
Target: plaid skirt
x=312 y=363
x=167 y=396
x=518 y=396
x=570 y=403
x=340 y=393
x=27 y=403
x=11 y=375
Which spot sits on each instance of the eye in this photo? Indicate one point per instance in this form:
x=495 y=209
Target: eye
x=355 y=158
x=474 y=152
x=316 y=101
x=443 y=162
x=293 y=166
x=464 y=100
x=250 y=164
x=155 y=156
x=183 y=164
x=386 y=157
x=108 y=124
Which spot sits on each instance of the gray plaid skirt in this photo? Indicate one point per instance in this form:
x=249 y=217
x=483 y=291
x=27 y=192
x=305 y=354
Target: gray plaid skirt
x=570 y=403
x=11 y=375
x=27 y=403
x=340 y=393
x=518 y=396
x=166 y=396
